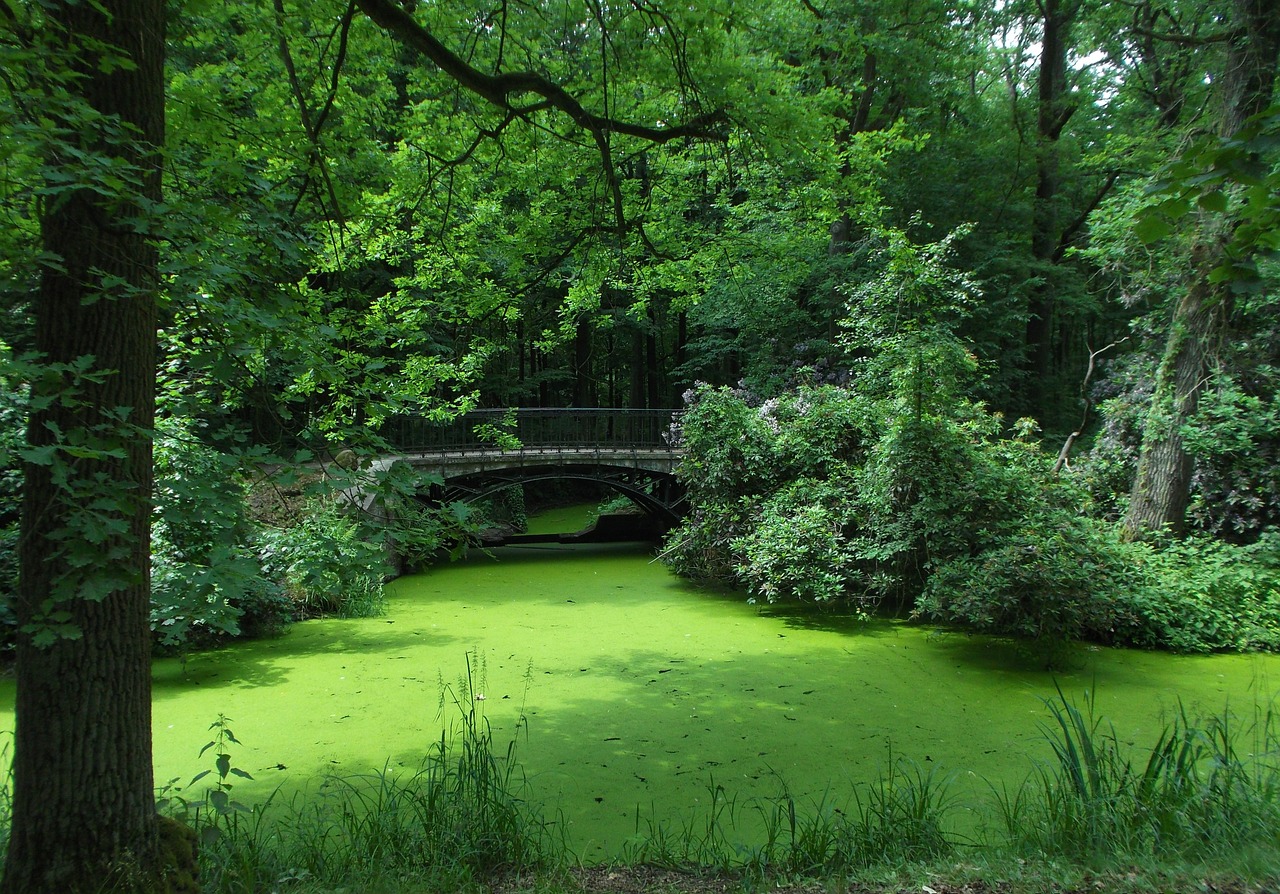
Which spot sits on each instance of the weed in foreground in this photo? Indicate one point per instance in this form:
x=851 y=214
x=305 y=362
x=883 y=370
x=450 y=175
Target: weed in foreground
x=1205 y=791
x=458 y=818
x=900 y=819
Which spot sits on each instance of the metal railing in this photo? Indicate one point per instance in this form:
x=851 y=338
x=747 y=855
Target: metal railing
x=531 y=428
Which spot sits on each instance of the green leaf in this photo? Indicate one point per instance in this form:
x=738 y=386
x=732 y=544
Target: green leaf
x=39 y=456
x=1151 y=229
x=1215 y=201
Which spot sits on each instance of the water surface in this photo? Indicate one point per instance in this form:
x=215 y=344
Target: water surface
x=641 y=691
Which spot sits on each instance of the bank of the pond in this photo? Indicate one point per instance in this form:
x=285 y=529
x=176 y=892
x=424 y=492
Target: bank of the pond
x=642 y=693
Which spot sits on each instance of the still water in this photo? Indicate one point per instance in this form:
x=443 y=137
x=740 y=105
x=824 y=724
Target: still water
x=642 y=692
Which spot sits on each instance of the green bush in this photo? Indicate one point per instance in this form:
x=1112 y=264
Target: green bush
x=1063 y=577
x=699 y=547
x=728 y=446
x=206 y=580
x=796 y=548
x=831 y=494
x=1057 y=578
x=1203 y=595
x=327 y=563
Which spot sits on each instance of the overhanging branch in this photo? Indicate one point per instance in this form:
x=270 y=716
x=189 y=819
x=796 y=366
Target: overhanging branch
x=502 y=89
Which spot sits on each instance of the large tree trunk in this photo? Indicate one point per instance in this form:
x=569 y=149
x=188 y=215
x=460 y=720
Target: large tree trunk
x=83 y=796
x=1163 y=483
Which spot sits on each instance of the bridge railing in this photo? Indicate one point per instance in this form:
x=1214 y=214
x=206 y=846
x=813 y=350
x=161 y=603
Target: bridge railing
x=535 y=428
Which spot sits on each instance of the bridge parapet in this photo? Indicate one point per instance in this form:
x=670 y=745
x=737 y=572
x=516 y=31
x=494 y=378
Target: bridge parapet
x=531 y=429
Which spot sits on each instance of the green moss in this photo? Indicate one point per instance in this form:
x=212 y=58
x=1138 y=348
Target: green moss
x=181 y=871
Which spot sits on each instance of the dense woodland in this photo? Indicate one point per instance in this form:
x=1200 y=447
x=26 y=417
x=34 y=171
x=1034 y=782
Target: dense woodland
x=971 y=308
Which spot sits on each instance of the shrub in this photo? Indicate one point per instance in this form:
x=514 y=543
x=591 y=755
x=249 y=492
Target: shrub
x=1203 y=595
x=1058 y=578
x=700 y=546
x=796 y=548
x=205 y=576
x=728 y=446
x=327 y=563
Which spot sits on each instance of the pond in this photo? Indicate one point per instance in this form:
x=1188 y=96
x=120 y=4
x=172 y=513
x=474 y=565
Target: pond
x=643 y=692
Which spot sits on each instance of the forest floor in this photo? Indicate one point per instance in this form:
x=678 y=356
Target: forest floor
x=654 y=880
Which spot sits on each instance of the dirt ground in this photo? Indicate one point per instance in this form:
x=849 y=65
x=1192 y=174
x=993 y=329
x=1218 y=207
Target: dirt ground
x=656 y=880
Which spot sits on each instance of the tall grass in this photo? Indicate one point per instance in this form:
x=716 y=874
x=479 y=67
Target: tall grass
x=900 y=819
x=1204 y=791
x=460 y=817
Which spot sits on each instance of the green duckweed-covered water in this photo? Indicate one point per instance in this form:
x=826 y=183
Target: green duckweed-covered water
x=643 y=692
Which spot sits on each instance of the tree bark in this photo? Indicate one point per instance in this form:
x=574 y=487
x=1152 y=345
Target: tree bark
x=1162 y=485
x=1054 y=110
x=83 y=796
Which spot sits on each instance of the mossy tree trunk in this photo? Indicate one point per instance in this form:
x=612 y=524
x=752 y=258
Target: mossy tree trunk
x=1162 y=487
x=83 y=795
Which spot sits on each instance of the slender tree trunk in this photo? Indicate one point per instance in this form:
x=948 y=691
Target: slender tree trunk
x=584 y=389
x=1163 y=483
x=678 y=386
x=1054 y=110
x=653 y=375
x=83 y=797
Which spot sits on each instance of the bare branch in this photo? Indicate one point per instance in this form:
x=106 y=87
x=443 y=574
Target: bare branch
x=1189 y=40
x=1065 y=453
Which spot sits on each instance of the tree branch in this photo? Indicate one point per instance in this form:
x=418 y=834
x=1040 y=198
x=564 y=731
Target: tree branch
x=501 y=89
x=1065 y=453
x=1187 y=40
x=1072 y=228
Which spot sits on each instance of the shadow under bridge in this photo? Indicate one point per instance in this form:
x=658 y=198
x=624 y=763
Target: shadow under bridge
x=481 y=452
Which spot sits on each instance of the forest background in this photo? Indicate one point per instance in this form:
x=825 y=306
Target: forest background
x=970 y=306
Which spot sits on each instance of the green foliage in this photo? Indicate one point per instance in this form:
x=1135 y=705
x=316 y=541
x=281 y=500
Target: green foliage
x=1067 y=578
x=326 y=562
x=91 y=549
x=1203 y=595
x=844 y=495
x=796 y=548
x=1231 y=177
x=727 y=446
x=1054 y=579
x=217 y=802
x=418 y=531
x=206 y=580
